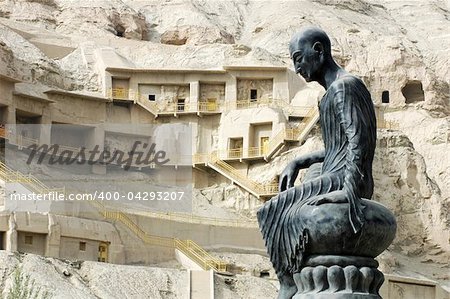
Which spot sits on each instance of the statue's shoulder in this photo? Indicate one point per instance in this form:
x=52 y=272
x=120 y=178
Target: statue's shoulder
x=346 y=89
x=349 y=85
x=346 y=82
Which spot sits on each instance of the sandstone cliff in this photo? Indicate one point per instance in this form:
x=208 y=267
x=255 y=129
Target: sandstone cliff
x=402 y=47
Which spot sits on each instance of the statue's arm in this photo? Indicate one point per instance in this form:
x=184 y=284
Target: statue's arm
x=352 y=121
x=290 y=173
x=307 y=160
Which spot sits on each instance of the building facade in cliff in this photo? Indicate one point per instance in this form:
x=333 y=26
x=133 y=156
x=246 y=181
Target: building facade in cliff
x=238 y=116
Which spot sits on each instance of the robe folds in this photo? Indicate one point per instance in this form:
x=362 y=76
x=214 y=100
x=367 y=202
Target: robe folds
x=348 y=125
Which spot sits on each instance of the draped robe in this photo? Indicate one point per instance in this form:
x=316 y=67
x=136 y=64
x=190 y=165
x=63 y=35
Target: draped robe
x=348 y=125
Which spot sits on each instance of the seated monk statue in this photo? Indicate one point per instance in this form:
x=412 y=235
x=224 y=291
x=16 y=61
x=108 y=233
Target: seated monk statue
x=341 y=173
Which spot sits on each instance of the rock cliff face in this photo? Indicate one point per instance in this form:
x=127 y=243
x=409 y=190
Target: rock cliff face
x=60 y=279
x=402 y=183
x=401 y=49
x=397 y=46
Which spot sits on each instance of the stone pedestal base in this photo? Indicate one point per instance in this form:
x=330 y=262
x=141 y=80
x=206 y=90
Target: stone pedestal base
x=337 y=296
x=339 y=277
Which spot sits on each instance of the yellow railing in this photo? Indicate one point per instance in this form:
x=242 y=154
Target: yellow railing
x=246 y=104
x=231 y=153
x=257 y=103
x=208 y=106
x=202 y=106
x=23 y=141
x=187 y=247
x=215 y=159
x=258 y=151
x=198 y=107
x=198 y=254
x=119 y=94
x=292 y=134
x=190 y=218
x=239 y=153
x=189 y=108
x=301 y=111
x=32 y=183
x=386 y=124
x=277 y=140
x=9 y=175
x=243 y=180
x=200 y=158
x=173 y=107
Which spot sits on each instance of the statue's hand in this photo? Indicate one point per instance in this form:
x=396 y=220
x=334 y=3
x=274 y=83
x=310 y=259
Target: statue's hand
x=339 y=196
x=288 y=176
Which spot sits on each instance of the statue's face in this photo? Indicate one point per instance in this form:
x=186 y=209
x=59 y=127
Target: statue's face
x=307 y=61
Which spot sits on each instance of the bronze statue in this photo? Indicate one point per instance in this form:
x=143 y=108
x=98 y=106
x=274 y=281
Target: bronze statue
x=300 y=238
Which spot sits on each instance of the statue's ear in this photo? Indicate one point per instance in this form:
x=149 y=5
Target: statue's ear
x=318 y=47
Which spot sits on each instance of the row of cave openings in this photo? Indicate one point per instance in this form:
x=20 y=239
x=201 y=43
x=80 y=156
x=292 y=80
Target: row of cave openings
x=412 y=91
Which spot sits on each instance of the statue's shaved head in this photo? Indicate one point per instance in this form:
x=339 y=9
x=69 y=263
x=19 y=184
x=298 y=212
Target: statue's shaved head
x=307 y=37
x=310 y=50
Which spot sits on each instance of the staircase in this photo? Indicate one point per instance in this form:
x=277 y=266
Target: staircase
x=188 y=247
x=30 y=182
x=260 y=190
x=298 y=134
x=151 y=107
x=228 y=171
x=306 y=126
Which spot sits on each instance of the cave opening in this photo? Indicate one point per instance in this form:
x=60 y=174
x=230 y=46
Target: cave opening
x=120 y=31
x=385 y=97
x=413 y=92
